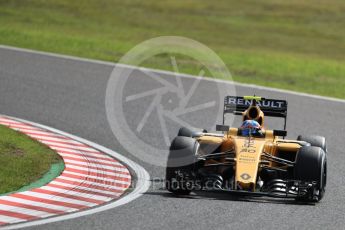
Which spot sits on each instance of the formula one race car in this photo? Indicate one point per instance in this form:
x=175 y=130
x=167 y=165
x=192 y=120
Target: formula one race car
x=249 y=160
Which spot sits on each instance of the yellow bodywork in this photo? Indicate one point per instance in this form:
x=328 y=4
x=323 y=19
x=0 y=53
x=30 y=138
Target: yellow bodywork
x=249 y=152
x=248 y=155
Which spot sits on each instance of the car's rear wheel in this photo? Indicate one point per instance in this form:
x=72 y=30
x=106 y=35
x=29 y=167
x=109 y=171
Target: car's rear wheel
x=311 y=166
x=317 y=141
x=180 y=171
x=185 y=132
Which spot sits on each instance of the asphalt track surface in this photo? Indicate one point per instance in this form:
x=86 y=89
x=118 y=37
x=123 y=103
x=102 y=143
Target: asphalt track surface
x=69 y=95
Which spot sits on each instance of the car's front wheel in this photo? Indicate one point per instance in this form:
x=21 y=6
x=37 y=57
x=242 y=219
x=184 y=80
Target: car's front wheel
x=180 y=171
x=311 y=166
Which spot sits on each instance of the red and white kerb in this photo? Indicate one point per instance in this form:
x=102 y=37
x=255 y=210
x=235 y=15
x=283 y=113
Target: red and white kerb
x=90 y=178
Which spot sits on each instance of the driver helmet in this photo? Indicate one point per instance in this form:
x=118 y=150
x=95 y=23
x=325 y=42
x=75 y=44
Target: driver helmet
x=251 y=128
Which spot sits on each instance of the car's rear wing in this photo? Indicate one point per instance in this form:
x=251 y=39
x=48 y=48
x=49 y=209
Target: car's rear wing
x=270 y=107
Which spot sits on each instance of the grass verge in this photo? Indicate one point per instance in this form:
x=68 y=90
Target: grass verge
x=23 y=160
x=297 y=45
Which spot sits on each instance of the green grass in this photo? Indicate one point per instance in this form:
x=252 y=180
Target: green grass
x=22 y=159
x=297 y=44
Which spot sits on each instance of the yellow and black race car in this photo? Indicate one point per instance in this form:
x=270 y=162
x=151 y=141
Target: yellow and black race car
x=249 y=160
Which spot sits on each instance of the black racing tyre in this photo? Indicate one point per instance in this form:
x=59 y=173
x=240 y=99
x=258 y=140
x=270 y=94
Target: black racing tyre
x=185 y=132
x=311 y=165
x=317 y=141
x=182 y=159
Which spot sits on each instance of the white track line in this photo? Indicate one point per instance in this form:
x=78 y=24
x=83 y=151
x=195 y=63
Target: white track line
x=165 y=72
x=78 y=186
